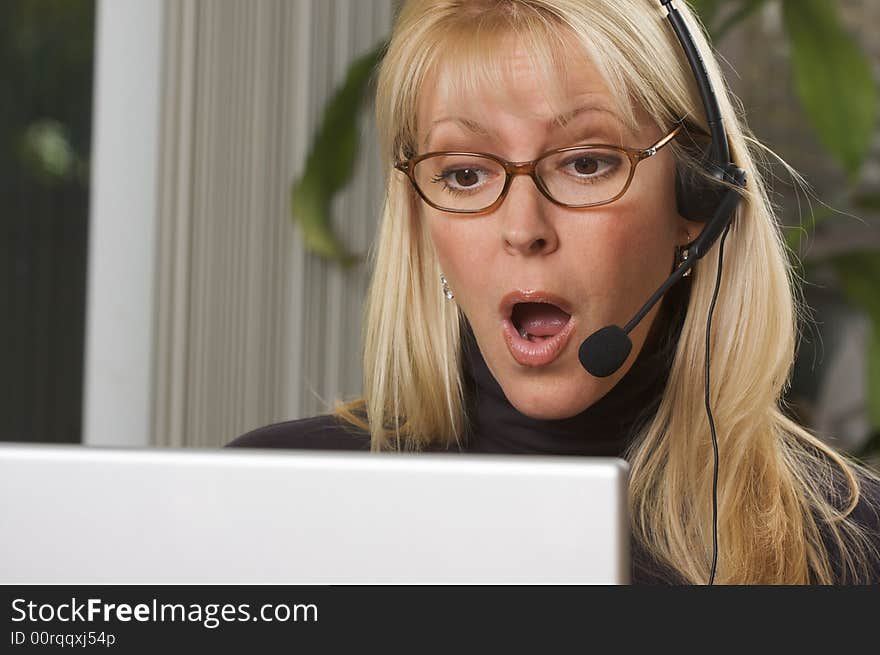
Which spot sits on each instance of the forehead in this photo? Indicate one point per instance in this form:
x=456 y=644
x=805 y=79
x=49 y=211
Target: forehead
x=517 y=85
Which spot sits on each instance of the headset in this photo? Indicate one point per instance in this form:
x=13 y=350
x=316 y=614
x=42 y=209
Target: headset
x=697 y=199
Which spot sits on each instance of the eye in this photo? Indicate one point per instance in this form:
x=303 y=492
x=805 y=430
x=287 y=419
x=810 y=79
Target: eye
x=462 y=179
x=586 y=165
x=591 y=166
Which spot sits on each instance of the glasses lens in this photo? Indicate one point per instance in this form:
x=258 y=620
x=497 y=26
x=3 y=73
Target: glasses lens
x=460 y=182
x=585 y=176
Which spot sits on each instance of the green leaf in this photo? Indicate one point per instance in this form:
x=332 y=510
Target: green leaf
x=859 y=276
x=833 y=81
x=47 y=152
x=331 y=159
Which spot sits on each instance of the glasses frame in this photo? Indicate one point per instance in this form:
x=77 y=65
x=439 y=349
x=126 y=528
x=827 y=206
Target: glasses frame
x=513 y=168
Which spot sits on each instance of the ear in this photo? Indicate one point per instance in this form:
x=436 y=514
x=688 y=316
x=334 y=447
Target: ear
x=688 y=231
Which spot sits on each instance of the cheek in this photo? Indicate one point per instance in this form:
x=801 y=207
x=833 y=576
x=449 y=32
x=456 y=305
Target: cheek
x=621 y=257
x=643 y=235
x=646 y=245
x=446 y=240
x=461 y=248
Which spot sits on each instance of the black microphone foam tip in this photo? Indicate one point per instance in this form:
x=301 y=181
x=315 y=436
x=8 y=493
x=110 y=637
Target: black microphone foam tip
x=605 y=351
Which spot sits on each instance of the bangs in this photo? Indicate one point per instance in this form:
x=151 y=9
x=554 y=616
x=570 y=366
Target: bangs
x=474 y=54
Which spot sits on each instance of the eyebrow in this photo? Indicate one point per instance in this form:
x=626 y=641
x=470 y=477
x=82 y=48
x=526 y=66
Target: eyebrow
x=561 y=120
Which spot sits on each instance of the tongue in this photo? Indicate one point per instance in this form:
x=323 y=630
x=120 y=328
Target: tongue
x=539 y=319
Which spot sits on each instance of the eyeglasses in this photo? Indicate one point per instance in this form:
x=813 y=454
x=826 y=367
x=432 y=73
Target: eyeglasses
x=477 y=182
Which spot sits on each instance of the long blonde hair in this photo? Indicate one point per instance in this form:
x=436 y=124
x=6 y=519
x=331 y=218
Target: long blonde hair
x=778 y=483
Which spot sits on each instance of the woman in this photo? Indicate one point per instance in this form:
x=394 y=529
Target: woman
x=481 y=296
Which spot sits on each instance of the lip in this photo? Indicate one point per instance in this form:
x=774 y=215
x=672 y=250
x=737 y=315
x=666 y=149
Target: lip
x=530 y=353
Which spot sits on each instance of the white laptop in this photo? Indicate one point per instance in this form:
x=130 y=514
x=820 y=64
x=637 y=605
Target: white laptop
x=80 y=515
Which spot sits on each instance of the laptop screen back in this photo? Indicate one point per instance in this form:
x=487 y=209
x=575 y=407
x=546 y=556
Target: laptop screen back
x=73 y=514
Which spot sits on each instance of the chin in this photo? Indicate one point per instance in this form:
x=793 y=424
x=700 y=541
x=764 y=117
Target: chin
x=550 y=403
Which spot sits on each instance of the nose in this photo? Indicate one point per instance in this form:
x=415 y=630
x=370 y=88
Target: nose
x=526 y=228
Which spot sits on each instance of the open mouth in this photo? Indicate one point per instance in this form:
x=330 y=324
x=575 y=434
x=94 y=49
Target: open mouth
x=537 y=332
x=538 y=321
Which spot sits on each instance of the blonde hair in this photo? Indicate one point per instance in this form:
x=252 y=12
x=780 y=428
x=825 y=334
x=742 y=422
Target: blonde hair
x=777 y=483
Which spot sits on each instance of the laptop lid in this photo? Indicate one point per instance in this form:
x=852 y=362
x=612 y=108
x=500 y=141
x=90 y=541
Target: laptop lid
x=74 y=514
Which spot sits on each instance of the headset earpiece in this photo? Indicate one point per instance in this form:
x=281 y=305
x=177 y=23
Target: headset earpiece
x=696 y=197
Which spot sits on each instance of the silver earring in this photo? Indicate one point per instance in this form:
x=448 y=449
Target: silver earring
x=446 y=290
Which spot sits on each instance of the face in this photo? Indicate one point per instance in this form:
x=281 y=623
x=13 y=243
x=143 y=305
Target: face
x=600 y=264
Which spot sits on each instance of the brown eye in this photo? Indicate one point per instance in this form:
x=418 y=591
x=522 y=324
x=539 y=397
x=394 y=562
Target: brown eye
x=589 y=167
x=466 y=177
x=586 y=165
x=459 y=181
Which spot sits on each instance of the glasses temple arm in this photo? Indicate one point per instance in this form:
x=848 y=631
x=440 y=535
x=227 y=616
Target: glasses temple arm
x=650 y=152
